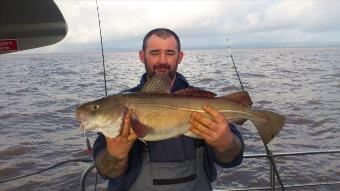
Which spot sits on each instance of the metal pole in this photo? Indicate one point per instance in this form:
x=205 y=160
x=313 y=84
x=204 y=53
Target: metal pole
x=272 y=176
x=84 y=175
x=270 y=157
x=297 y=153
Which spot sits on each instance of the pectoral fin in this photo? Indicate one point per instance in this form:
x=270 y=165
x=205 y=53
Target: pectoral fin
x=140 y=129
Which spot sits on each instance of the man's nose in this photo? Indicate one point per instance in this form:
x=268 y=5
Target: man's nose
x=162 y=58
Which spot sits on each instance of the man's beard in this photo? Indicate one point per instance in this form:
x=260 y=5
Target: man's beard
x=170 y=72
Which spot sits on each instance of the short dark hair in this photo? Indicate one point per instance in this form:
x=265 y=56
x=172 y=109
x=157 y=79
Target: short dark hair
x=162 y=33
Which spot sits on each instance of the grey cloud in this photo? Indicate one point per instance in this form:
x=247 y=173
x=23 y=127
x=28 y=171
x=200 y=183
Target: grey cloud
x=202 y=23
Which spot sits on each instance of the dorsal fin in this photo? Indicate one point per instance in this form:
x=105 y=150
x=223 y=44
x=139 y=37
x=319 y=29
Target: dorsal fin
x=241 y=97
x=159 y=83
x=197 y=92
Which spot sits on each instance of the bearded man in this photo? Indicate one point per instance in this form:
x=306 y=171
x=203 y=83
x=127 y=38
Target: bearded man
x=181 y=163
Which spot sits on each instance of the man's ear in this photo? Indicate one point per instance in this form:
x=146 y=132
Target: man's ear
x=142 y=56
x=180 y=57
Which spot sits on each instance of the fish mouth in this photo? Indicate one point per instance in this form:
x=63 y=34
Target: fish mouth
x=86 y=126
x=82 y=117
x=84 y=123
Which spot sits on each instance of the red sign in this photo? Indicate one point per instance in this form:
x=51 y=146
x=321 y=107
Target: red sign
x=9 y=45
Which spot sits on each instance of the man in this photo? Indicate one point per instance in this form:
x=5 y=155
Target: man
x=181 y=163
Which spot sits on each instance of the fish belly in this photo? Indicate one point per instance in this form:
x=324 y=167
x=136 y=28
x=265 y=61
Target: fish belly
x=163 y=123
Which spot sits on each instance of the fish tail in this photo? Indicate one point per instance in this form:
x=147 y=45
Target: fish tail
x=271 y=126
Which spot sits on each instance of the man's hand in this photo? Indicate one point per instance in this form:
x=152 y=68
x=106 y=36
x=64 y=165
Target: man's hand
x=113 y=161
x=216 y=133
x=120 y=146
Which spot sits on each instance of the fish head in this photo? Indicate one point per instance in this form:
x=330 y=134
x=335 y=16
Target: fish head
x=102 y=116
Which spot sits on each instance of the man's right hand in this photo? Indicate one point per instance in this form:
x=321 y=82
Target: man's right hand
x=120 y=146
x=113 y=161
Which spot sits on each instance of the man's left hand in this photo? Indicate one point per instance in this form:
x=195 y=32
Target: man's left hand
x=215 y=130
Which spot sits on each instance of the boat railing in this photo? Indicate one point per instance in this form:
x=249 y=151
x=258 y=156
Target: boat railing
x=272 y=183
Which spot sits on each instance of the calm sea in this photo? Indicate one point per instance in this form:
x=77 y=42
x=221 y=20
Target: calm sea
x=39 y=94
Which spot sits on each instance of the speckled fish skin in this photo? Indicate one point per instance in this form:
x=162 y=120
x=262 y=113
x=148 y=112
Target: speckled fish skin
x=162 y=115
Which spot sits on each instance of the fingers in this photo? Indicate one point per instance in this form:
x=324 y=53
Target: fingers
x=201 y=131
x=210 y=123
x=217 y=116
x=126 y=125
x=207 y=128
x=196 y=121
x=126 y=128
x=202 y=126
x=132 y=137
x=201 y=121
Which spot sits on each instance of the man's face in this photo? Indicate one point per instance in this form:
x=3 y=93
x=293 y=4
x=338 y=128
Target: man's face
x=161 y=56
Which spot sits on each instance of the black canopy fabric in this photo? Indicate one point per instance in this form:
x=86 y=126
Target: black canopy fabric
x=30 y=24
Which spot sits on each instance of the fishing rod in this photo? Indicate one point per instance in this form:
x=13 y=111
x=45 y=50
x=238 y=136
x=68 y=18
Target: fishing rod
x=232 y=59
x=102 y=47
x=88 y=144
x=269 y=154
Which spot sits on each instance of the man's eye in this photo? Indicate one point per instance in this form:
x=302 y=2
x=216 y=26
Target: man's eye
x=154 y=53
x=170 y=53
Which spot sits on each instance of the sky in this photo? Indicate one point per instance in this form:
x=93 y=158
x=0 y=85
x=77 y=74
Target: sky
x=200 y=24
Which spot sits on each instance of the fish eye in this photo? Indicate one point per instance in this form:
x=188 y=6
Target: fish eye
x=95 y=107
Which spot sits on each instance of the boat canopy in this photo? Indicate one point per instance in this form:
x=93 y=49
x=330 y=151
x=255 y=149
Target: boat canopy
x=30 y=24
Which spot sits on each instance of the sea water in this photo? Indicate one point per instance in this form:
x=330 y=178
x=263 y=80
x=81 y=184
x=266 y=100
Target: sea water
x=39 y=94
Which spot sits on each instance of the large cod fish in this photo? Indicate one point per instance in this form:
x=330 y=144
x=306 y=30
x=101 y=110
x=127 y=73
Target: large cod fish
x=159 y=115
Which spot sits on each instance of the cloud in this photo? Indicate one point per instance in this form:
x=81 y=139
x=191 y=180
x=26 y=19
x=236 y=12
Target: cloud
x=126 y=19
x=124 y=23
x=248 y=17
x=81 y=20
